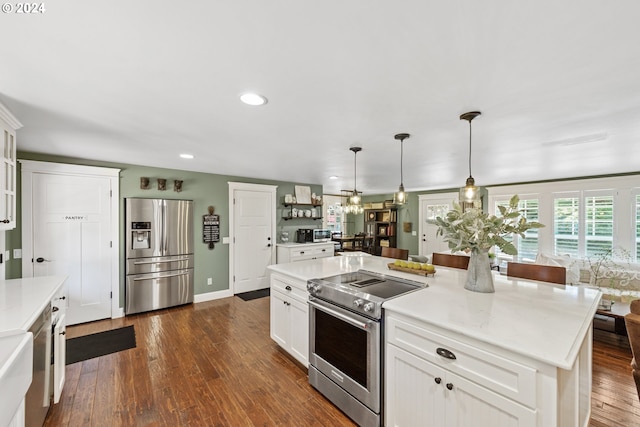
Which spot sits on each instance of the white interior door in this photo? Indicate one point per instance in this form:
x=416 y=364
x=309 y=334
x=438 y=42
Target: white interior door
x=432 y=206
x=72 y=236
x=253 y=241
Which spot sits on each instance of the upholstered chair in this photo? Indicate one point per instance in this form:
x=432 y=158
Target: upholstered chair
x=632 y=321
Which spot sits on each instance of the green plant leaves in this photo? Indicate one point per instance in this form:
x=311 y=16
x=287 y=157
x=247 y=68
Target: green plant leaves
x=476 y=230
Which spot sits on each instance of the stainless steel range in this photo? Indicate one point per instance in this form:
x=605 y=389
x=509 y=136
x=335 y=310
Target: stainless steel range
x=345 y=339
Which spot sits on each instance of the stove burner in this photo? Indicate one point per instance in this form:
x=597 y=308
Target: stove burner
x=361 y=291
x=363 y=283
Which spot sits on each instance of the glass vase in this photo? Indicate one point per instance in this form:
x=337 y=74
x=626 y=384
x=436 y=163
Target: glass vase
x=479 y=277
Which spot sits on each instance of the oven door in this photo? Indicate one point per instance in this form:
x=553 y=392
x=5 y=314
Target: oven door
x=345 y=347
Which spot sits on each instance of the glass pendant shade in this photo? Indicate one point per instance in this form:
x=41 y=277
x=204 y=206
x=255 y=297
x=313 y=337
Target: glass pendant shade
x=470 y=193
x=400 y=196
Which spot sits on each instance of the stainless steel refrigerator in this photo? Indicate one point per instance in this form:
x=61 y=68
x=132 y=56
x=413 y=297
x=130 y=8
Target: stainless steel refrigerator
x=159 y=254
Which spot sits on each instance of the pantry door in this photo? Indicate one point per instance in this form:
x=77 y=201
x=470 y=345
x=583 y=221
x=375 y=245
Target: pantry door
x=70 y=217
x=253 y=246
x=432 y=206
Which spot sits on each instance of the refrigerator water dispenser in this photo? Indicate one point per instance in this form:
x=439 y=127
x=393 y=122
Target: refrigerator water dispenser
x=140 y=235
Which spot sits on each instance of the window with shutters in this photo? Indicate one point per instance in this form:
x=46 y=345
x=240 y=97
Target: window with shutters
x=566 y=225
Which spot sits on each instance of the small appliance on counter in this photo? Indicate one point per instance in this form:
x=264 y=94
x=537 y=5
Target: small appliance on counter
x=321 y=235
x=313 y=235
x=304 y=235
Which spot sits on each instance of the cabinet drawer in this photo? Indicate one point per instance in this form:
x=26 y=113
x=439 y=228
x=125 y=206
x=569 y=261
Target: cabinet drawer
x=290 y=287
x=323 y=251
x=504 y=376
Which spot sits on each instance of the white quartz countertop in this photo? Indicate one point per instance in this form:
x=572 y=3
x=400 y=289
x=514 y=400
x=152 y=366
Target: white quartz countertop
x=301 y=245
x=22 y=300
x=538 y=320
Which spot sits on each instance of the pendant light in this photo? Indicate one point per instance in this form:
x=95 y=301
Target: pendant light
x=354 y=202
x=400 y=197
x=470 y=193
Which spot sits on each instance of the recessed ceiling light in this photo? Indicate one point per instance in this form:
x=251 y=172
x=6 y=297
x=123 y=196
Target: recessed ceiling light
x=251 y=98
x=333 y=177
x=186 y=156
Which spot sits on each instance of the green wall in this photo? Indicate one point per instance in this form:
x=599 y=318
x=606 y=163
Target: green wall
x=205 y=189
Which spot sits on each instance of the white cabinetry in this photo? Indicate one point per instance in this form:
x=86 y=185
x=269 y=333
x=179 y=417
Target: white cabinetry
x=290 y=316
x=434 y=380
x=59 y=302
x=303 y=251
x=8 y=127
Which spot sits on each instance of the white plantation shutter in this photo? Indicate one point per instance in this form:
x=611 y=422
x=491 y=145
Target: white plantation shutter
x=598 y=224
x=566 y=225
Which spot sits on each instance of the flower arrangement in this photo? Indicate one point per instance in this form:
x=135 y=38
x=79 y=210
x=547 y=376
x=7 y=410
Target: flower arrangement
x=478 y=231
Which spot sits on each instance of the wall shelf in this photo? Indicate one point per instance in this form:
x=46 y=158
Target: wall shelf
x=288 y=214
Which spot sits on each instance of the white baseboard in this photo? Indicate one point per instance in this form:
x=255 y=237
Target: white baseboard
x=115 y=314
x=210 y=296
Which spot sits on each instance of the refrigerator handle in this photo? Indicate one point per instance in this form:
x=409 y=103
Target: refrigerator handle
x=164 y=276
x=164 y=228
x=158 y=261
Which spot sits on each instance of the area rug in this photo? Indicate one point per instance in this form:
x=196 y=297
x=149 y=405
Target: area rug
x=100 y=344
x=248 y=296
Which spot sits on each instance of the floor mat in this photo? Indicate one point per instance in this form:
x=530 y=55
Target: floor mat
x=100 y=344
x=248 y=296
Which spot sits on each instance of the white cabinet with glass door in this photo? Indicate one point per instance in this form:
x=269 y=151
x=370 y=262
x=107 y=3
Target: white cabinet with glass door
x=8 y=126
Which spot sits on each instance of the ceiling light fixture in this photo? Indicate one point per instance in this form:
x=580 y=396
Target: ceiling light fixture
x=354 y=201
x=186 y=156
x=400 y=197
x=470 y=193
x=251 y=98
x=333 y=177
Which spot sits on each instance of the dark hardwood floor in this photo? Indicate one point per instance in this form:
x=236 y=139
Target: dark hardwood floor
x=214 y=364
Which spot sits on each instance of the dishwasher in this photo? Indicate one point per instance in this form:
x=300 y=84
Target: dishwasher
x=38 y=397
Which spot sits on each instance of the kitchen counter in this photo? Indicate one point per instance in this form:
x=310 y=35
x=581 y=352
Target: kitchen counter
x=22 y=300
x=301 y=245
x=537 y=320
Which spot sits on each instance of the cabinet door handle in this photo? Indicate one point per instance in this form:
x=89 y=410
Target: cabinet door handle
x=63 y=333
x=449 y=386
x=288 y=287
x=438 y=380
x=445 y=353
x=54 y=309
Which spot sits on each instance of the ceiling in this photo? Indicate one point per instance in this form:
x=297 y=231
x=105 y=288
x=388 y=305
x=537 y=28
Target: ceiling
x=140 y=82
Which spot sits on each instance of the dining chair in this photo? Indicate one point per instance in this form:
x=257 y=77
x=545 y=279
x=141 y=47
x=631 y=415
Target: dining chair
x=450 y=260
x=395 y=253
x=336 y=237
x=543 y=273
x=358 y=241
x=632 y=321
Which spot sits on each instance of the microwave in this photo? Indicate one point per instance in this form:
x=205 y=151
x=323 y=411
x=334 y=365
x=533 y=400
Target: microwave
x=321 y=235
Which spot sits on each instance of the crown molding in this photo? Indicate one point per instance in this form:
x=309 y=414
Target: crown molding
x=6 y=115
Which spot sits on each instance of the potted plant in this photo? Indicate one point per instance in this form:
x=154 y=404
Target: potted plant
x=477 y=232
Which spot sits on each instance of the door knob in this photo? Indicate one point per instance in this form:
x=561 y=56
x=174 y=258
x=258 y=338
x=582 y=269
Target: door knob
x=40 y=259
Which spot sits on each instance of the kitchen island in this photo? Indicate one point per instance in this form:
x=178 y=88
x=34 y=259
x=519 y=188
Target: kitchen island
x=25 y=357
x=523 y=353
